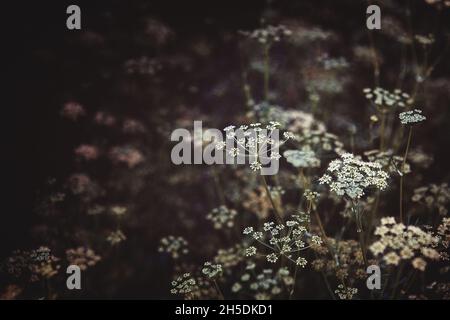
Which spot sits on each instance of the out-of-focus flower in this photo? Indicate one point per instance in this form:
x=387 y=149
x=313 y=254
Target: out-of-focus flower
x=104 y=119
x=116 y=237
x=126 y=155
x=72 y=110
x=82 y=257
x=87 y=152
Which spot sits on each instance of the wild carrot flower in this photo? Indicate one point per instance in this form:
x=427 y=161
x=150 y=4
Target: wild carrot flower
x=212 y=270
x=383 y=98
x=302 y=158
x=116 y=237
x=411 y=117
x=352 y=177
x=184 y=284
x=175 y=246
x=82 y=257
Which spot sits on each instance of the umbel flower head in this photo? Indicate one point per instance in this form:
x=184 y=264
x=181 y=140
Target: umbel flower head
x=175 y=246
x=222 y=217
x=411 y=117
x=351 y=176
x=212 y=270
x=302 y=158
x=384 y=99
x=259 y=144
x=399 y=242
x=268 y=34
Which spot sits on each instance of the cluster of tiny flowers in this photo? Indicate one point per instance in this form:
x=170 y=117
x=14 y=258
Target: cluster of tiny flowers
x=443 y=232
x=175 y=246
x=254 y=142
x=268 y=34
x=212 y=270
x=311 y=195
x=347 y=262
x=34 y=264
x=118 y=210
x=434 y=196
x=302 y=158
x=388 y=161
x=222 y=217
x=82 y=257
x=398 y=242
x=345 y=293
x=228 y=258
x=384 y=98
x=116 y=237
x=183 y=285
x=283 y=240
x=319 y=141
x=412 y=116
x=351 y=176
x=264 y=285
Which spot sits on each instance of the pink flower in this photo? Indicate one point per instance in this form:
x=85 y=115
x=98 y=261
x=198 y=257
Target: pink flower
x=104 y=119
x=87 y=152
x=72 y=110
x=127 y=155
x=133 y=126
x=79 y=183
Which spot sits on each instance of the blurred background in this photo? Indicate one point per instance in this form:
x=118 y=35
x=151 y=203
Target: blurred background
x=89 y=132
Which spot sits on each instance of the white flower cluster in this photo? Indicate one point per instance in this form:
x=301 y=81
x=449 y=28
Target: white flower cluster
x=116 y=237
x=412 y=116
x=351 y=176
x=399 y=242
x=320 y=141
x=302 y=158
x=183 y=284
x=212 y=270
x=255 y=142
x=269 y=34
x=175 y=246
x=384 y=98
x=222 y=217
x=345 y=293
x=266 y=284
x=283 y=240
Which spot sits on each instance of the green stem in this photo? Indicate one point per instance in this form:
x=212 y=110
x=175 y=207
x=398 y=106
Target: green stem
x=402 y=173
x=266 y=72
x=277 y=214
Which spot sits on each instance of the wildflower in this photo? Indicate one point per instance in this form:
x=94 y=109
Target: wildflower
x=236 y=287
x=72 y=110
x=118 y=210
x=212 y=270
x=385 y=99
x=127 y=155
x=82 y=257
x=183 y=284
x=248 y=230
x=104 y=119
x=259 y=144
x=250 y=251
x=434 y=197
x=352 y=176
x=301 y=262
x=392 y=258
x=268 y=35
x=410 y=117
x=222 y=217
x=419 y=264
x=377 y=248
x=229 y=257
x=87 y=152
x=302 y=158
x=116 y=237
x=272 y=258
x=345 y=293
x=175 y=246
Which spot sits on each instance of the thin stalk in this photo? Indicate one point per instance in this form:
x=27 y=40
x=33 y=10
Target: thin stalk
x=277 y=214
x=266 y=72
x=402 y=174
x=219 y=292
x=382 y=130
